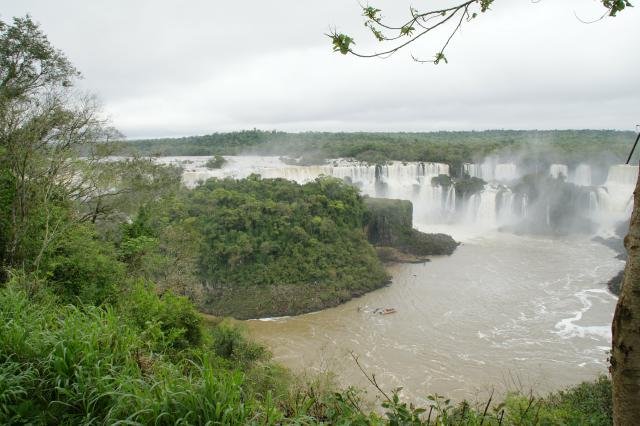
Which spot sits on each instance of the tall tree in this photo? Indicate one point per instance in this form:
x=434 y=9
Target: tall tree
x=44 y=127
x=625 y=353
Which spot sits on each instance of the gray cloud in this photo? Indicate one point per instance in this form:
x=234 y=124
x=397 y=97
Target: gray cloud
x=165 y=68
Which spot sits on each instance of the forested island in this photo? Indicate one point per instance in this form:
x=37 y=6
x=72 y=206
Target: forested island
x=107 y=264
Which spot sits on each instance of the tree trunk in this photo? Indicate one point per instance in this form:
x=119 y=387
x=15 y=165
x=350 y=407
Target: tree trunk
x=625 y=354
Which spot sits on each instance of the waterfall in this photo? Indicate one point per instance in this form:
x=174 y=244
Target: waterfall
x=613 y=201
x=506 y=213
x=581 y=175
x=398 y=180
x=490 y=208
x=483 y=209
x=473 y=170
x=490 y=170
x=593 y=202
x=487 y=171
x=471 y=212
x=622 y=174
x=617 y=192
x=450 y=200
x=486 y=216
x=548 y=215
x=505 y=172
x=555 y=170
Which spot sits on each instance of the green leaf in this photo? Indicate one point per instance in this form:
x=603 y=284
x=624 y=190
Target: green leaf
x=407 y=30
x=341 y=43
x=484 y=5
x=377 y=33
x=440 y=57
x=371 y=13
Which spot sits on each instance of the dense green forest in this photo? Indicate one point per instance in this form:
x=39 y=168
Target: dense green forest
x=260 y=247
x=453 y=148
x=275 y=231
x=101 y=270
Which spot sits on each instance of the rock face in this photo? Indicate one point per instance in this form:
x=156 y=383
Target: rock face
x=616 y=244
x=615 y=284
x=389 y=224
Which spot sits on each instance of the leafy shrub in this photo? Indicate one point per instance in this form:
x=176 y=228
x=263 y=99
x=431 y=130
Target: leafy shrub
x=441 y=180
x=230 y=343
x=178 y=322
x=467 y=186
x=588 y=403
x=83 y=268
x=216 y=162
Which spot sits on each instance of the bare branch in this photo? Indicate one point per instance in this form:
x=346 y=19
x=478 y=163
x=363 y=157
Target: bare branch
x=371 y=379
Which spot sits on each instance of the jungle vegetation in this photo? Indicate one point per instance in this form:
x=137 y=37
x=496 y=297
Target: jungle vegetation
x=263 y=247
x=216 y=162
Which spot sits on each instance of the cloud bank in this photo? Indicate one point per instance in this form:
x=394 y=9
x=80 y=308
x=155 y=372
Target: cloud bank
x=169 y=68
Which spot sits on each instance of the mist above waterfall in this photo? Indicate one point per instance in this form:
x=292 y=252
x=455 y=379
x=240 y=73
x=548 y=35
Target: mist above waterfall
x=545 y=197
x=492 y=194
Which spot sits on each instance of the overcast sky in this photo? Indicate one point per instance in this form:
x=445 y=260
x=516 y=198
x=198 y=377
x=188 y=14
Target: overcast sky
x=173 y=68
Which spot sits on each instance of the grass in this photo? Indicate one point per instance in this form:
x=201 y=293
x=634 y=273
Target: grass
x=87 y=365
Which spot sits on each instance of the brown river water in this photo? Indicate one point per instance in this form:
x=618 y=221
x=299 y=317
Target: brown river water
x=504 y=312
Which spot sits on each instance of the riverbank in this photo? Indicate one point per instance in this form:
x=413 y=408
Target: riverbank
x=247 y=302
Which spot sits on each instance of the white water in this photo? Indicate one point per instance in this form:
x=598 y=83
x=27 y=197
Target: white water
x=491 y=170
x=581 y=175
x=557 y=170
x=492 y=208
x=615 y=197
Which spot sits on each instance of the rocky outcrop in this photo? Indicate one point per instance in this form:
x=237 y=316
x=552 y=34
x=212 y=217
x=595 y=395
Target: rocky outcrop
x=389 y=226
x=615 y=284
x=616 y=244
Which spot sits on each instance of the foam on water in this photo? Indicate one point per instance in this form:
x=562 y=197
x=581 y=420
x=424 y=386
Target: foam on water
x=569 y=327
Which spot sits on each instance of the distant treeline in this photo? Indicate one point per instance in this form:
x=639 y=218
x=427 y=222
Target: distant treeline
x=598 y=147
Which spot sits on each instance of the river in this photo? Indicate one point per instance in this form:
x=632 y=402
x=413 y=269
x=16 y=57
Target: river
x=504 y=312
